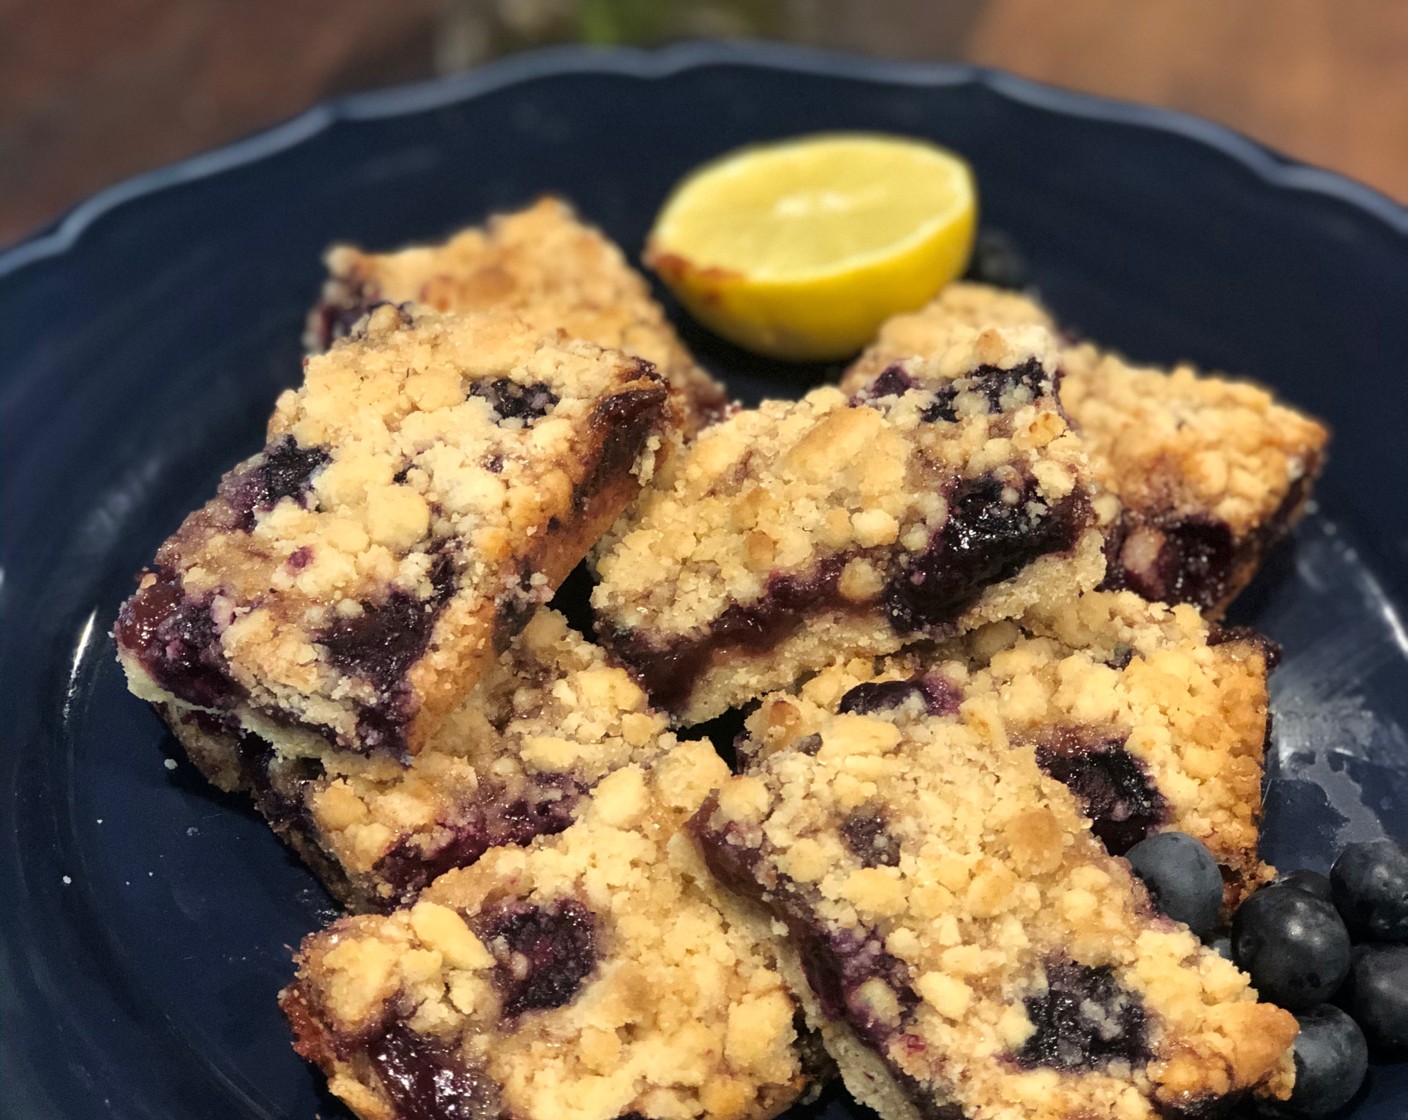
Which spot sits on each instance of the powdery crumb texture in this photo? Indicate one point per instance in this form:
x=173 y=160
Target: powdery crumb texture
x=590 y=976
x=1207 y=467
x=968 y=942
x=542 y=263
x=429 y=485
x=515 y=760
x=823 y=516
x=1155 y=719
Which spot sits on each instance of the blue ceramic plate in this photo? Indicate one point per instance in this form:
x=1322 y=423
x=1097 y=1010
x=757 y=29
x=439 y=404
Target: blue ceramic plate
x=145 y=921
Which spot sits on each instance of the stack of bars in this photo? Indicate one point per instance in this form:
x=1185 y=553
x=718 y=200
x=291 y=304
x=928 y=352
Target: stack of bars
x=969 y=597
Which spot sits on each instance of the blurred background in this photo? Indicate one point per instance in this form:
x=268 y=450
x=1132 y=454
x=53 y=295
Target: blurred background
x=92 y=91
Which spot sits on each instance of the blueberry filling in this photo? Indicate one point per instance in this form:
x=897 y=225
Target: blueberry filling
x=1185 y=559
x=994 y=383
x=891 y=382
x=427 y=1080
x=286 y=471
x=174 y=639
x=866 y=833
x=1084 y=1020
x=542 y=953
x=621 y=425
x=387 y=638
x=1270 y=651
x=545 y=807
x=937 y=694
x=669 y=673
x=986 y=539
x=1113 y=787
x=837 y=963
x=511 y=400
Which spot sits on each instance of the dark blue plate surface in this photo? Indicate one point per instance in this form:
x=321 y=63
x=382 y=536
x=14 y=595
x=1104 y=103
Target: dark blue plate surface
x=144 y=921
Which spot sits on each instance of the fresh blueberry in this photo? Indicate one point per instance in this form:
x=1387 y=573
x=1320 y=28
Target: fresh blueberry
x=1222 y=946
x=1331 y=1059
x=1312 y=882
x=1292 y=944
x=1182 y=878
x=1379 y=994
x=1370 y=884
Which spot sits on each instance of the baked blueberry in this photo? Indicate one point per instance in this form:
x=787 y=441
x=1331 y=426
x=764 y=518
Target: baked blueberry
x=1312 y=882
x=1182 y=878
x=1370 y=884
x=544 y=953
x=1331 y=1059
x=1293 y=945
x=1379 y=994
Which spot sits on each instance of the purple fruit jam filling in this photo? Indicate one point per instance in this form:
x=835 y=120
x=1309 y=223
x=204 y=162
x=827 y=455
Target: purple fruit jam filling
x=545 y=807
x=427 y=1080
x=992 y=382
x=837 y=963
x=985 y=540
x=1270 y=651
x=514 y=401
x=669 y=672
x=935 y=692
x=890 y=382
x=542 y=953
x=868 y=836
x=174 y=640
x=1179 y=560
x=621 y=425
x=387 y=638
x=286 y=471
x=1113 y=787
x=1084 y=1020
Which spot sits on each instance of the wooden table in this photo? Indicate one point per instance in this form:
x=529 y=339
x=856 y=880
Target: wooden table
x=92 y=91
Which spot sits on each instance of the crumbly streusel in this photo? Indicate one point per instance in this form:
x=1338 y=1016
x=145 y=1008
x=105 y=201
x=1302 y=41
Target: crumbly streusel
x=947 y=494
x=962 y=940
x=514 y=761
x=428 y=486
x=1210 y=472
x=590 y=976
x=542 y=263
x=1154 y=719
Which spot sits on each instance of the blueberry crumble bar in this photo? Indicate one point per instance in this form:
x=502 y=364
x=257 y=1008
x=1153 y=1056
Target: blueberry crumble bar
x=965 y=945
x=1210 y=472
x=514 y=761
x=590 y=976
x=1154 y=719
x=945 y=494
x=429 y=485
x=543 y=264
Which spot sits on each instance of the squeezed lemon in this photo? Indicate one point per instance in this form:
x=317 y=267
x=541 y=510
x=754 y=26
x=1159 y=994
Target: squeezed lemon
x=801 y=249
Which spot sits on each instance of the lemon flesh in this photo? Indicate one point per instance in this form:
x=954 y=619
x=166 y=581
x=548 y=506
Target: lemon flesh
x=802 y=249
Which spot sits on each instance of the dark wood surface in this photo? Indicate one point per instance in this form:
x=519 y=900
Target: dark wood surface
x=92 y=91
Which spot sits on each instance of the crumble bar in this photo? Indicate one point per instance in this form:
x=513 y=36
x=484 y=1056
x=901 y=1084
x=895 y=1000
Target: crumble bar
x=514 y=761
x=590 y=976
x=542 y=263
x=964 y=944
x=946 y=494
x=1210 y=472
x=1153 y=718
x=427 y=488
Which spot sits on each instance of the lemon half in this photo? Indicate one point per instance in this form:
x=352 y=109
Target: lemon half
x=801 y=249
